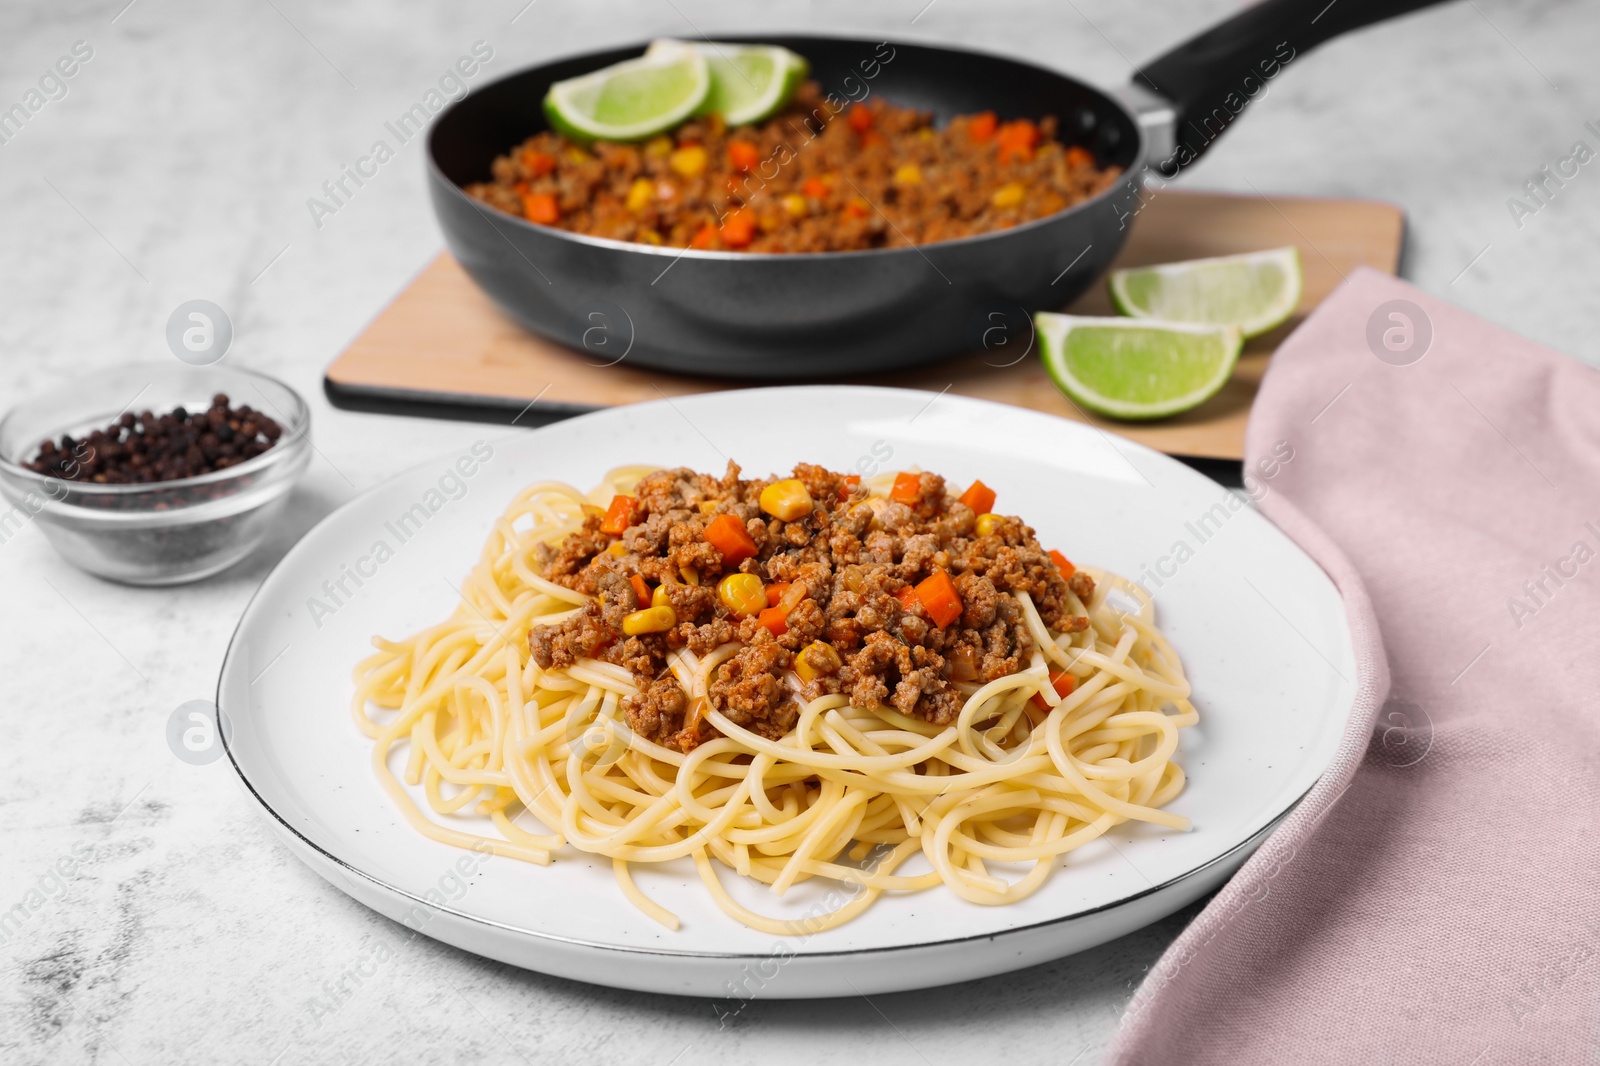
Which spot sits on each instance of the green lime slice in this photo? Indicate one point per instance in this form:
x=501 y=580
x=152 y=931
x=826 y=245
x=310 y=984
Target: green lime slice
x=632 y=100
x=1133 y=370
x=749 y=82
x=1256 y=292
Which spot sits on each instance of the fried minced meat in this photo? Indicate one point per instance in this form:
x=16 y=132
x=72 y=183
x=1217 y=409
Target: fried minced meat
x=811 y=179
x=841 y=572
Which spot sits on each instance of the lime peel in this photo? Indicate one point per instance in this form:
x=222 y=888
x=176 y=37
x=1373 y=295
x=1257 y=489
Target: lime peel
x=749 y=82
x=1136 y=369
x=1257 y=291
x=631 y=100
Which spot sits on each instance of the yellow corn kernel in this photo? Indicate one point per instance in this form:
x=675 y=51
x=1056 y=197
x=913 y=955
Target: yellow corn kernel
x=658 y=598
x=649 y=236
x=787 y=500
x=640 y=194
x=986 y=524
x=649 y=620
x=616 y=548
x=577 y=155
x=1009 y=195
x=743 y=594
x=795 y=205
x=658 y=147
x=908 y=174
x=815 y=660
x=688 y=162
x=925 y=134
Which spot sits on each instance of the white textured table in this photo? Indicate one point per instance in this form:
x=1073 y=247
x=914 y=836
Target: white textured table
x=178 y=165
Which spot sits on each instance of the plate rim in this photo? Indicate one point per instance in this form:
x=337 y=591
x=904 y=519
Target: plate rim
x=1249 y=844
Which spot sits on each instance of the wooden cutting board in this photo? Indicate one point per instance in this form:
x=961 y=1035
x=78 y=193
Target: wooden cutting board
x=442 y=348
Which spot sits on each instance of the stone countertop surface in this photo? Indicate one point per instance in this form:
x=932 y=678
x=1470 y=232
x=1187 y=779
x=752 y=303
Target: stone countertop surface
x=178 y=164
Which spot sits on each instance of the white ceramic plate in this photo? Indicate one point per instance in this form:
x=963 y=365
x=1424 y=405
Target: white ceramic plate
x=1259 y=627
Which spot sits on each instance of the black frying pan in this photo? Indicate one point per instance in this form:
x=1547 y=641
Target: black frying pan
x=749 y=315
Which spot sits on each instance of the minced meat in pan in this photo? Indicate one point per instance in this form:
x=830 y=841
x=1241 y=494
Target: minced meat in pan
x=810 y=179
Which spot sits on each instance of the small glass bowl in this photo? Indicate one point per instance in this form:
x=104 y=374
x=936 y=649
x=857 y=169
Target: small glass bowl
x=165 y=532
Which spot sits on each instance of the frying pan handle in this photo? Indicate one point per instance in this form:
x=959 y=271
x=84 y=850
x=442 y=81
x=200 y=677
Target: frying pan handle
x=1209 y=79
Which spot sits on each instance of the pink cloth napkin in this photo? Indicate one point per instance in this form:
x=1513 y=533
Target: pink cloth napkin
x=1436 y=897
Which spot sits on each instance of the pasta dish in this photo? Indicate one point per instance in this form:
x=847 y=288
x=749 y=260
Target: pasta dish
x=878 y=682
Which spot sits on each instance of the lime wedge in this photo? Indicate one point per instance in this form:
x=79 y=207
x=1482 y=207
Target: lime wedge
x=1256 y=292
x=749 y=82
x=632 y=100
x=1133 y=370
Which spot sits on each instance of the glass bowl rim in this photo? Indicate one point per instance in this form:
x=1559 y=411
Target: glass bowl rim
x=296 y=435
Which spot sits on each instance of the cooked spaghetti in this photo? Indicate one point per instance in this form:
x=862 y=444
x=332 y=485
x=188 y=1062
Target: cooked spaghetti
x=879 y=683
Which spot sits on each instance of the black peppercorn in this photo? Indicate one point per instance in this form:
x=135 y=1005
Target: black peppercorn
x=144 y=448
